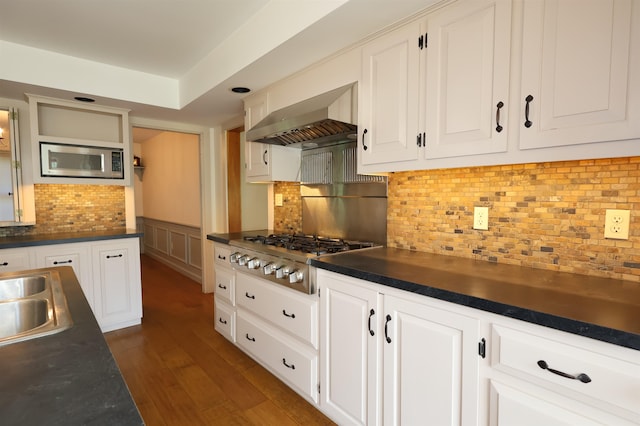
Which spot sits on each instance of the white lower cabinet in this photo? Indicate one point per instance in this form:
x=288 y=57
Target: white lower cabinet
x=108 y=272
x=16 y=259
x=224 y=293
x=76 y=255
x=276 y=326
x=391 y=358
x=117 y=283
x=543 y=376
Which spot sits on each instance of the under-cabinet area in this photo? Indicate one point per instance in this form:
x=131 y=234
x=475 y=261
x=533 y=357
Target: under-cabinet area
x=385 y=346
x=108 y=271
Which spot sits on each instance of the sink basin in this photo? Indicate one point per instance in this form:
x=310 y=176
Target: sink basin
x=14 y=288
x=19 y=316
x=32 y=305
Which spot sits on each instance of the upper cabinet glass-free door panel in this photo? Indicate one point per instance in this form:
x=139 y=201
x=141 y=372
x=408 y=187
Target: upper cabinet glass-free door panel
x=464 y=108
x=388 y=107
x=580 y=72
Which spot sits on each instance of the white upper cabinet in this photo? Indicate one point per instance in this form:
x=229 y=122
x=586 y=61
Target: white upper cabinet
x=485 y=82
x=466 y=73
x=256 y=154
x=264 y=162
x=73 y=123
x=580 y=70
x=388 y=107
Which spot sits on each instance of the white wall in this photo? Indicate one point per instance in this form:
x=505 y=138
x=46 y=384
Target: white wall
x=171 y=178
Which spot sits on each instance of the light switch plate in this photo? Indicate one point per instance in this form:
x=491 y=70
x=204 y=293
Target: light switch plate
x=616 y=224
x=279 y=200
x=481 y=218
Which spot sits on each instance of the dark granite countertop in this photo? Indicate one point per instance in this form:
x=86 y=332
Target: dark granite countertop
x=225 y=238
x=599 y=308
x=65 y=237
x=68 y=378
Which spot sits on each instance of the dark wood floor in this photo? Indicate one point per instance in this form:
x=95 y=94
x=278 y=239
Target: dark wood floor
x=181 y=372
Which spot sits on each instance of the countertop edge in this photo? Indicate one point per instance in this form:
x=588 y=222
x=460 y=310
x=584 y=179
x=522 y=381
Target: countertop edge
x=66 y=238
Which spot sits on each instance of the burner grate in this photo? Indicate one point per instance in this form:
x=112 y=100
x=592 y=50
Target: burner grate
x=311 y=244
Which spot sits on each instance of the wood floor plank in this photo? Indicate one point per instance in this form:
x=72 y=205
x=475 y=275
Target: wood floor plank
x=180 y=371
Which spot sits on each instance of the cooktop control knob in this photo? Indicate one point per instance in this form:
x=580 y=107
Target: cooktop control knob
x=269 y=268
x=234 y=257
x=242 y=260
x=282 y=272
x=253 y=263
x=296 y=276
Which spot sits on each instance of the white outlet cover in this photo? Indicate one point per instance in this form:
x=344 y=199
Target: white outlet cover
x=481 y=218
x=616 y=224
x=279 y=201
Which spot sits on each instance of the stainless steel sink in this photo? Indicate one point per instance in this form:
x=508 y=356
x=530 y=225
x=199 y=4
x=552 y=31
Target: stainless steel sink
x=14 y=288
x=32 y=305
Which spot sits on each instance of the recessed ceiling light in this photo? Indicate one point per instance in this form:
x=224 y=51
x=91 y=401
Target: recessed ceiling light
x=240 y=90
x=84 y=99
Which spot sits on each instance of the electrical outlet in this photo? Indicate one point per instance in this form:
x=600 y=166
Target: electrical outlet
x=279 y=201
x=481 y=218
x=616 y=224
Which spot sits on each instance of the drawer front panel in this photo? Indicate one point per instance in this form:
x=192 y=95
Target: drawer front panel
x=225 y=284
x=612 y=380
x=295 y=314
x=225 y=319
x=280 y=354
x=221 y=254
x=14 y=261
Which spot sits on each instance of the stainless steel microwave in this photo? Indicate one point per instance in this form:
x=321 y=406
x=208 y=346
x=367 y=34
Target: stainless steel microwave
x=62 y=160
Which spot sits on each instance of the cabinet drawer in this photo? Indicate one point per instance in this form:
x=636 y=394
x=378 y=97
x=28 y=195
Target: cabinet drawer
x=294 y=312
x=221 y=254
x=614 y=380
x=225 y=319
x=225 y=284
x=14 y=260
x=286 y=358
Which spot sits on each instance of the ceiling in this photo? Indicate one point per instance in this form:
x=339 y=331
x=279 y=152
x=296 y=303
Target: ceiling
x=176 y=60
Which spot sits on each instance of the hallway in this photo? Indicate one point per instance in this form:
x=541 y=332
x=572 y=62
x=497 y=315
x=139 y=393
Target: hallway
x=181 y=372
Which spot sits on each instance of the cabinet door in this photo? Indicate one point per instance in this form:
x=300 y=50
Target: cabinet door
x=430 y=365
x=467 y=79
x=580 y=67
x=388 y=108
x=257 y=155
x=117 y=292
x=524 y=405
x=350 y=338
x=75 y=255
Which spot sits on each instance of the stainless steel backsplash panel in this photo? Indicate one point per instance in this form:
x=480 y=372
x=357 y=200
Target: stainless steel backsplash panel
x=352 y=218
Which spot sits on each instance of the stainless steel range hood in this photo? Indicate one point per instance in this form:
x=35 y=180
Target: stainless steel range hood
x=321 y=120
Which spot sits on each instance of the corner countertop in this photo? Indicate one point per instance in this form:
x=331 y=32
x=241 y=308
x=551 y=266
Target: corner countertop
x=598 y=308
x=66 y=378
x=65 y=237
x=225 y=238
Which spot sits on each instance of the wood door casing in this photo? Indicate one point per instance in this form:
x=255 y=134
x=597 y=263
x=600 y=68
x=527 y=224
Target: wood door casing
x=234 y=199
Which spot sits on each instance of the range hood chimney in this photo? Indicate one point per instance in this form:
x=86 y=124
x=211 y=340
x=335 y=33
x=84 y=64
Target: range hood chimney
x=321 y=120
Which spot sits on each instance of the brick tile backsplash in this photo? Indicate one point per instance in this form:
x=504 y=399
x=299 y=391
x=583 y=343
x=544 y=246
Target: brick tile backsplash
x=541 y=215
x=74 y=208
